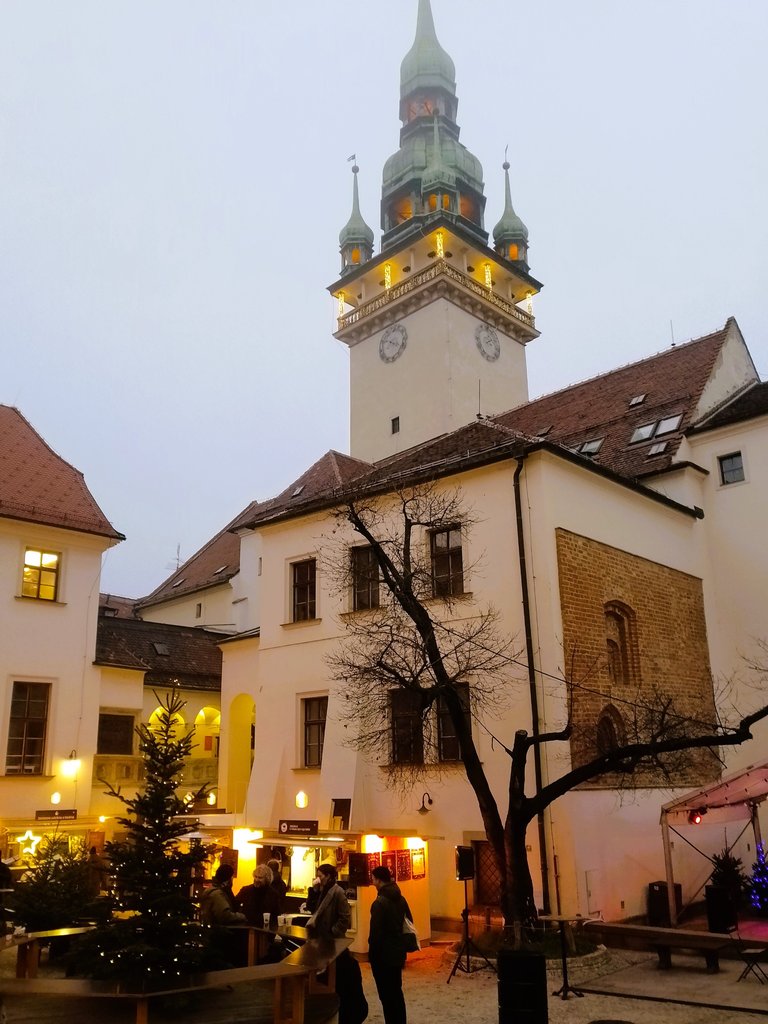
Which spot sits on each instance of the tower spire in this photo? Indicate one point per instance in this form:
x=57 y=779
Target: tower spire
x=510 y=236
x=427 y=65
x=355 y=238
x=450 y=182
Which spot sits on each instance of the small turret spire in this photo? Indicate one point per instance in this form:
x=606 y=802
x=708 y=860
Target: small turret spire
x=510 y=235
x=355 y=238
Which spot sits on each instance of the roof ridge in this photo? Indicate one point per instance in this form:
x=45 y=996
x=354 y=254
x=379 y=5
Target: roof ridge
x=625 y=366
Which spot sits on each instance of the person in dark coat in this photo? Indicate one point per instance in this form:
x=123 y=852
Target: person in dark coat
x=278 y=884
x=259 y=899
x=386 y=951
x=330 y=920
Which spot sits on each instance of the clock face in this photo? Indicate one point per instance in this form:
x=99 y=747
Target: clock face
x=392 y=342
x=488 y=342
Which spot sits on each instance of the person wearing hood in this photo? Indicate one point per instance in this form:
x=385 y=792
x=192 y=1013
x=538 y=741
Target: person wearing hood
x=386 y=950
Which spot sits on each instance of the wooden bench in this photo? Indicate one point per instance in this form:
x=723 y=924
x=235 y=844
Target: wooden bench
x=662 y=940
x=293 y=979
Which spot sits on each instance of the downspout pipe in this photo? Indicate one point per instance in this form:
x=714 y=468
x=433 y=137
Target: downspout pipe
x=543 y=858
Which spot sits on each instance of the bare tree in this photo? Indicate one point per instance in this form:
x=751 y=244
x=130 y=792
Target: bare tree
x=464 y=667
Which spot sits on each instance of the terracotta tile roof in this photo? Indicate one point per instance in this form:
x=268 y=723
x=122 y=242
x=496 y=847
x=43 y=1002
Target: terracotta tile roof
x=215 y=563
x=38 y=486
x=219 y=559
x=751 y=403
x=168 y=654
x=114 y=607
x=672 y=383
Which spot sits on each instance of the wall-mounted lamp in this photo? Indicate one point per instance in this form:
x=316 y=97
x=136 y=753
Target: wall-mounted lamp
x=71 y=766
x=302 y=800
x=56 y=798
x=211 y=798
x=426 y=803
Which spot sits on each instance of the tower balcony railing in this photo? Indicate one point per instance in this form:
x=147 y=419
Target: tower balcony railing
x=440 y=268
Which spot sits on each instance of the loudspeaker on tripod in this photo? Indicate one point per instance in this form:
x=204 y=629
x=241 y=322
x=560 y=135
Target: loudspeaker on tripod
x=465 y=863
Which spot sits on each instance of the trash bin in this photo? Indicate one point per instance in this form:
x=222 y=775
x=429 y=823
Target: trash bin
x=721 y=908
x=522 y=987
x=658 y=904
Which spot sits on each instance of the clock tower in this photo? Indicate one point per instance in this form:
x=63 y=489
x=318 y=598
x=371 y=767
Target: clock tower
x=438 y=322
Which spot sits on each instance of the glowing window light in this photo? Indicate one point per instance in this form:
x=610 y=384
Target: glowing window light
x=387 y=276
x=488 y=278
x=440 y=247
x=302 y=800
x=372 y=844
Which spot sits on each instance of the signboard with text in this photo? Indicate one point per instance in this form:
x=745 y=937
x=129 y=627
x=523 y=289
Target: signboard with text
x=297 y=827
x=57 y=814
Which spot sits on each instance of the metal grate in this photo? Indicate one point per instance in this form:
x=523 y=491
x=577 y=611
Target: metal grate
x=487 y=876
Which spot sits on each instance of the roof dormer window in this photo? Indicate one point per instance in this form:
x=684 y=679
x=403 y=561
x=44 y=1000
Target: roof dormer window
x=668 y=424
x=591 y=447
x=643 y=433
x=637 y=400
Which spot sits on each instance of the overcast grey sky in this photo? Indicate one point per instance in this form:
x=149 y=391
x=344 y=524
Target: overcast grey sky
x=173 y=179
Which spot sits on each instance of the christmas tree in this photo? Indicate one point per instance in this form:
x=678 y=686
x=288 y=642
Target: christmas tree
x=758 y=883
x=152 y=934
x=54 y=891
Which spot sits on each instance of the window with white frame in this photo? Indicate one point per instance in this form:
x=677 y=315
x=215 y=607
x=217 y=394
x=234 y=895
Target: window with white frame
x=448 y=748
x=40 y=577
x=365 y=579
x=447 y=562
x=731 y=468
x=407 y=727
x=27 y=728
x=115 y=735
x=303 y=590
x=314 y=713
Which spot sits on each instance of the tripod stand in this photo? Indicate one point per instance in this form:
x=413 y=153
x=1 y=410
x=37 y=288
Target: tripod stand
x=468 y=948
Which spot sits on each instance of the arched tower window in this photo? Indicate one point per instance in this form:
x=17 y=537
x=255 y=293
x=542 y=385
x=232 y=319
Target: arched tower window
x=621 y=642
x=609 y=732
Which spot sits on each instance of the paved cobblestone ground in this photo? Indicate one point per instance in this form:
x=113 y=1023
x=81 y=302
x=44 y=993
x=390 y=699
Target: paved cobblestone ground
x=469 y=998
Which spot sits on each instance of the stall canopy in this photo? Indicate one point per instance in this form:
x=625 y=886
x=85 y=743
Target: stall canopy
x=735 y=797
x=731 y=799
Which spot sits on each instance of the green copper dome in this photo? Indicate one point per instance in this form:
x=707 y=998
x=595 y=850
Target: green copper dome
x=510 y=227
x=355 y=231
x=510 y=236
x=426 y=65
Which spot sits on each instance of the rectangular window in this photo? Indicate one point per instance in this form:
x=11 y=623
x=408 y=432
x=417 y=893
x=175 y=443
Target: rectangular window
x=365 y=579
x=315 y=712
x=731 y=468
x=395 y=424
x=115 y=734
x=41 y=574
x=27 y=728
x=447 y=740
x=304 y=575
x=447 y=562
x=407 y=729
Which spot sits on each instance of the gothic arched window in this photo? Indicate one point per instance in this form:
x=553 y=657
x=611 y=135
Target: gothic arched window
x=621 y=642
x=610 y=732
